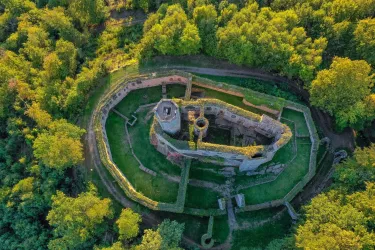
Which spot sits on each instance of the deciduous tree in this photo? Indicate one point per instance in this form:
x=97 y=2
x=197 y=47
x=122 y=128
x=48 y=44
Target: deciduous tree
x=128 y=224
x=76 y=220
x=342 y=91
x=60 y=146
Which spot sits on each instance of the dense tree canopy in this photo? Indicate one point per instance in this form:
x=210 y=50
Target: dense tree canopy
x=263 y=38
x=128 y=224
x=365 y=39
x=170 y=33
x=76 y=220
x=344 y=90
x=335 y=222
x=167 y=236
x=59 y=146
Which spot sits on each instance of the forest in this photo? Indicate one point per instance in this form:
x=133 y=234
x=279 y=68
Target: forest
x=55 y=53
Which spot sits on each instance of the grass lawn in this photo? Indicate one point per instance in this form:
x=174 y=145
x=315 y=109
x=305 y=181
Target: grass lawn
x=156 y=188
x=199 y=174
x=197 y=197
x=195 y=226
x=175 y=90
x=146 y=152
x=266 y=87
x=221 y=229
x=277 y=189
x=256 y=216
x=260 y=237
x=299 y=120
x=139 y=97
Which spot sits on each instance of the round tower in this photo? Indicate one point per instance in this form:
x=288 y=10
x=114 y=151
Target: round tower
x=168 y=115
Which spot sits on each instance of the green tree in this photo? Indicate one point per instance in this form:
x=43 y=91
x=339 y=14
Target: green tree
x=333 y=222
x=364 y=36
x=17 y=7
x=166 y=237
x=151 y=240
x=76 y=220
x=88 y=12
x=272 y=40
x=115 y=246
x=171 y=234
x=342 y=90
x=205 y=18
x=353 y=173
x=227 y=12
x=170 y=35
x=60 y=146
x=128 y=224
x=40 y=116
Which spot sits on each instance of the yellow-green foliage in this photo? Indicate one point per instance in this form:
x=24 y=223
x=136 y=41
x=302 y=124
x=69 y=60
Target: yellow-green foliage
x=249 y=151
x=285 y=137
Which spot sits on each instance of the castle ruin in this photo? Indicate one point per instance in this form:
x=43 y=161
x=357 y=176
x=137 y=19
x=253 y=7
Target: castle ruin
x=213 y=131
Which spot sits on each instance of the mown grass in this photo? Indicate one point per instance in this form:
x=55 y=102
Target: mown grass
x=256 y=216
x=197 y=197
x=299 y=120
x=199 y=174
x=156 y=188
x=195 y=226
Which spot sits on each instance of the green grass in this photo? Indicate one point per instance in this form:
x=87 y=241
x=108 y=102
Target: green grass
x=277 y=189
x=203 y=175
x=256 y=216
x=145 y=151
x=175 y=90
x=260 y=237
x=156 y=188
x=299 y=120
x=197 y=197
x=196 y=172
x=266 y=87
x=221 y=229
x=139 y=97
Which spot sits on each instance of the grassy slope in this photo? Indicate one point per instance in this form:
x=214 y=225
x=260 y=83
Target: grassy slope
x=197 y=197
x=139 y=97
x=259 y=237
x=156 y=188
x=299 y=120
x=266 y=87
